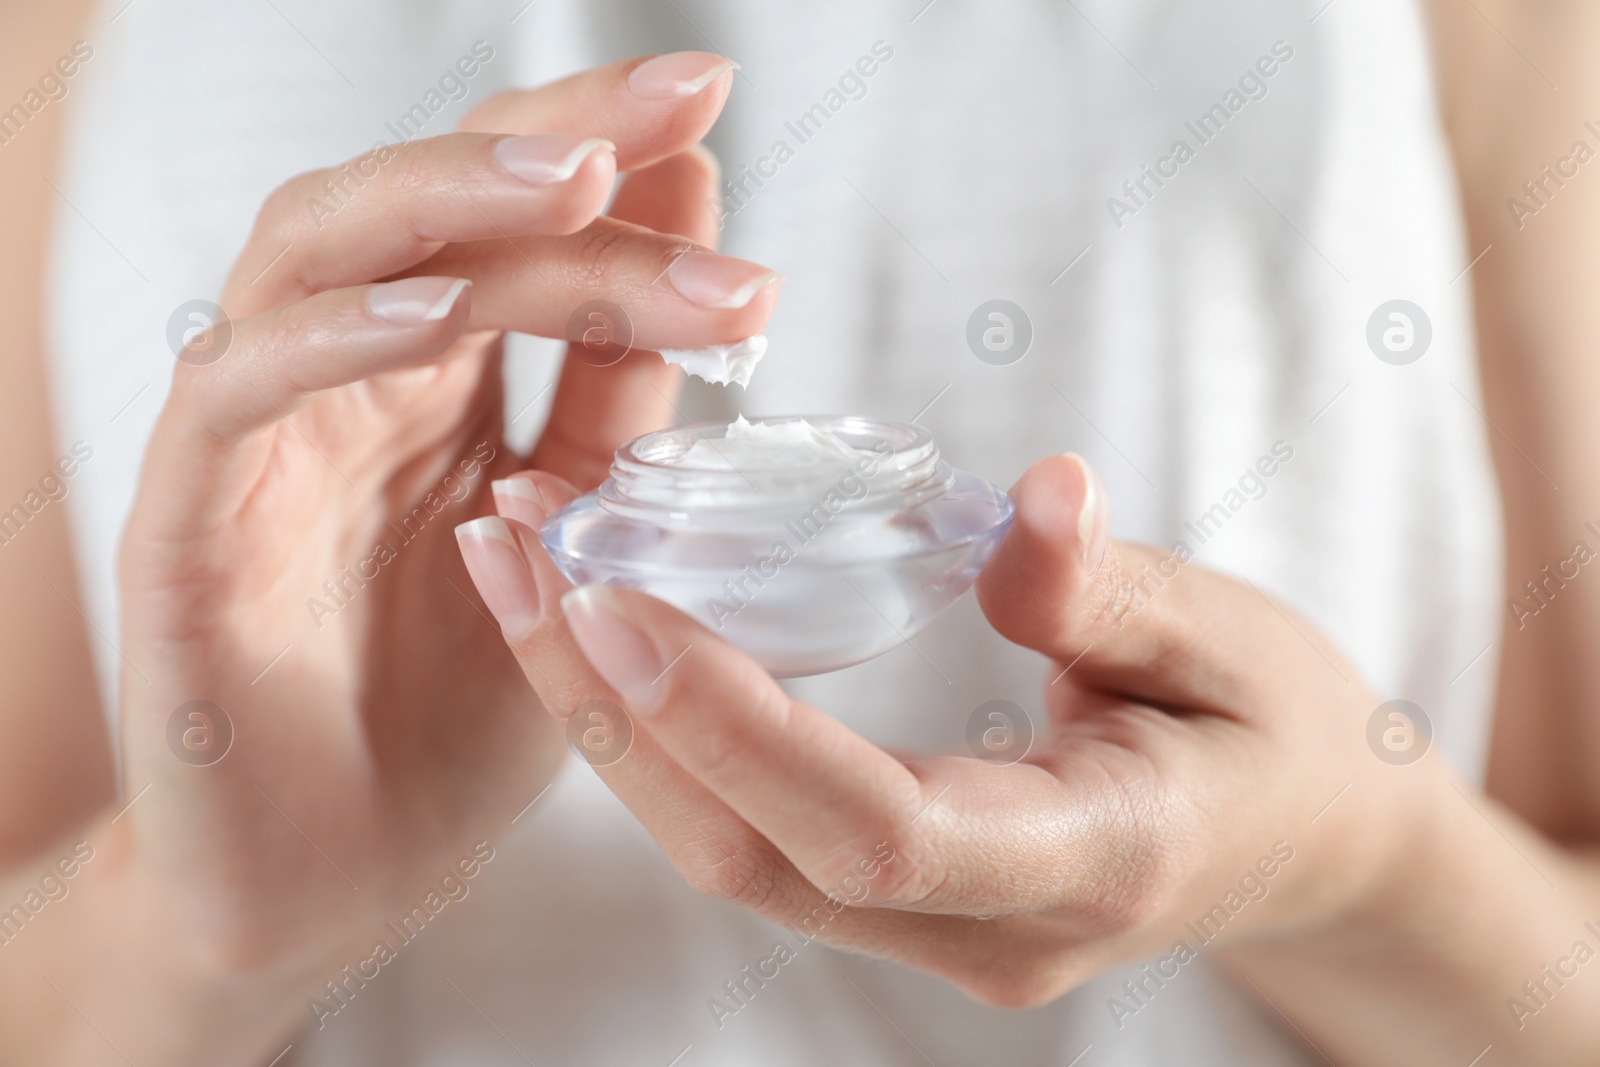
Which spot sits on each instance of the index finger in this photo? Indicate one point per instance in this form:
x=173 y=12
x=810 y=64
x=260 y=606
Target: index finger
x=826 y=797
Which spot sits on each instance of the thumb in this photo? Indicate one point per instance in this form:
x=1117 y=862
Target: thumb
x=1125 y=618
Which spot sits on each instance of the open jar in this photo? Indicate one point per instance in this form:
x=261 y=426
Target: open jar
x=807 y=564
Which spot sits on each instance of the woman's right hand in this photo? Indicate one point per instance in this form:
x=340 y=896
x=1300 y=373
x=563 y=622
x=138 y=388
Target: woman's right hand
x=379 y=732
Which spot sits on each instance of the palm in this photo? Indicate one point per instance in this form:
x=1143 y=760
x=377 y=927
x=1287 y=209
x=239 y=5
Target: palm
x=386 y=618
x=390 y=721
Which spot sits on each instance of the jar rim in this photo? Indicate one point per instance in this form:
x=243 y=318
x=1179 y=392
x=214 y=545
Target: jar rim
x=645 y=481
x=646 y=450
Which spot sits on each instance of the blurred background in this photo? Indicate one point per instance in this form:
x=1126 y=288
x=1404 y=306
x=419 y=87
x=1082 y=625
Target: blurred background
x=1202 y=219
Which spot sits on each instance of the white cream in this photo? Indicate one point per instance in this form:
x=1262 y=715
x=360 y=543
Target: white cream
x=788 y=445
x=811 y=545
x=720 y=364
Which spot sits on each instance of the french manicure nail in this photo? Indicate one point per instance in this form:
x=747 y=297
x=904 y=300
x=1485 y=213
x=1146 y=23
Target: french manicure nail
x=501 y=574
x=1092 y=533
x=614 y=645
x=547 y=158
x=518 y=500
x=714 y=281
x=677 y=74
x=413 y=301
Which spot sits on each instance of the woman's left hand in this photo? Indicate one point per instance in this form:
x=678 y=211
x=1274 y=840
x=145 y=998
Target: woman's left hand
x=1206 y=773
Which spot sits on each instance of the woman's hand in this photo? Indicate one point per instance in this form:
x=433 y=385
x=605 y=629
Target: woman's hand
x=290 y=561
x=1210 y=785
x=1195 y=732
x=1205 y=778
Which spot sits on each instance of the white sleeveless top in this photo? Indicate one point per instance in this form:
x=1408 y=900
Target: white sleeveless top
x=1180 y=330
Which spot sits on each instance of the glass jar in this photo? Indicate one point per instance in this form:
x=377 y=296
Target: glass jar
x=808 y=569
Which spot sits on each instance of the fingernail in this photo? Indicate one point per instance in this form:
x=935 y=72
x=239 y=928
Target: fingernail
x=624 y=657
x=413 y=301
x=517 y=499
x=714 y=281
x=547 y=158
x=678 y=74
x=1092 y=532
x=501 y=574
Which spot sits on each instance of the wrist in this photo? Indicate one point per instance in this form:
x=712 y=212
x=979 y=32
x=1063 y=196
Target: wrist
x=1389 y=875
x=1465 y=908
x=1358 y=859
x=125 y=977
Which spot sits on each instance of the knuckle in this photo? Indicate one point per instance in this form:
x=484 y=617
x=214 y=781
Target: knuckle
x=1136 y=885
x=907 y=881
x=282 y=221
x=207 y=394
x=601 y=248
x=751 y=876
x=420 y=173
x=718 y=754
x=1112 y=594
x=893 y=862
x=414 y=172
x=284 y=208
x=267 y=344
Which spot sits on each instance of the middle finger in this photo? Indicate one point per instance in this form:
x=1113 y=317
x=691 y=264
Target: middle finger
x=675 y=293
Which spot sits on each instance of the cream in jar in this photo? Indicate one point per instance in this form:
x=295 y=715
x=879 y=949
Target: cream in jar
x=810 y=543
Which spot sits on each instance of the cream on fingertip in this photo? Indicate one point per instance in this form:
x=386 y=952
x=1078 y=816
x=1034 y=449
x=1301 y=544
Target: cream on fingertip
x=720 y=364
